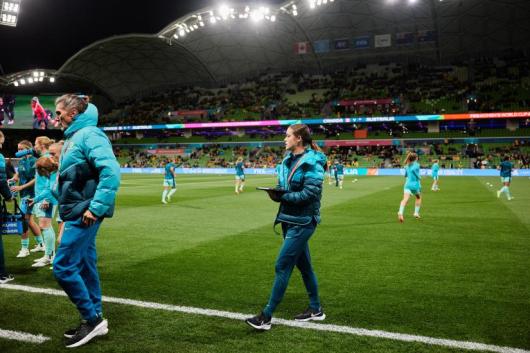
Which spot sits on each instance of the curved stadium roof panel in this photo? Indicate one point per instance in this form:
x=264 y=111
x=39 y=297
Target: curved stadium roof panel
x=215 y=45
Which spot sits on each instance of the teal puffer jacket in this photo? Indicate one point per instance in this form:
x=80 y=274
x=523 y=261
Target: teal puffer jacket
x=89 y=175
x=302 y=178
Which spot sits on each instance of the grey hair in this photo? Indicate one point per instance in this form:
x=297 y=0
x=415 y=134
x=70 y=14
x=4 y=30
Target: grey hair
x=72 y=101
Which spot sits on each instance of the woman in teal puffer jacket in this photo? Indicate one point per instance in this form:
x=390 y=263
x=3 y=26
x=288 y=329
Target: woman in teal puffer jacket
x=300 y=177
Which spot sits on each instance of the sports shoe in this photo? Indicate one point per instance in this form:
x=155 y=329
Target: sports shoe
x=498 y=194
x=510 y=198
x=38 y=247
x=11 y=122
x=39 y=259
x=6 y=278
x=260 y=322
x=311 y=315
x=417 y=215
x=71 y=332
x=164 y=202
x=86 y=332
x=44 y=261
x=400 y=218
x=24 y=252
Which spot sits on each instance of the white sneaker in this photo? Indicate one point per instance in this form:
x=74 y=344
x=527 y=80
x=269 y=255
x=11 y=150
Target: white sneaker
x=44 y=262
x=498 y=194
x=11 y=122
x=5 y=279
x=417 y=215
x=23 y=253
x=510 y=198
x=164 y=202
x=40 y=258
x=38 y=247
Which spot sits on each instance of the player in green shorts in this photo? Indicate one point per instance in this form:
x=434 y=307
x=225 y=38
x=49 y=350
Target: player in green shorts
x=506 y=177
x=412 y=185
x=170 y=186
x=240 y=175
x=434 y=170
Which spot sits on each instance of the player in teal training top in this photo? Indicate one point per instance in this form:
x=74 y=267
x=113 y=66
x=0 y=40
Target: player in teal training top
x=338 y=169
x=170 y=185
x=412 y=185
x=434 y=169
x=506 y=177
x=240 y=175
x=26 y=187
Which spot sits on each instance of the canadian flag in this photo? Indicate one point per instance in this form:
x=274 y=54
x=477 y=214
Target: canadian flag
x=301 y=47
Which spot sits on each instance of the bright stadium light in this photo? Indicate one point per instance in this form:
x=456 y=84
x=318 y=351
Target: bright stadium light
x=182 y=33
x=41 y=79
x=22 y=81
x=213 y=20
x=224 y=12
x=412 y=2
x=15 y=83
x=9 y=10
x=52 y=79
x=35 y=74
x=30 y=79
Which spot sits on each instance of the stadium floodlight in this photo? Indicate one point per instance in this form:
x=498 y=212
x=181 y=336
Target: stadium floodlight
x=182 y=33
x=22 y=81
x=41 y=79
x=35 y=74
x=176 y=36
x=41 y=74
x=9 y=10
x=412 y=2
x=256 y=15
x=15 y=83
x=212 y=20
x=30 y=79
x=224 y=12
x=52 y=79
x=273 y=18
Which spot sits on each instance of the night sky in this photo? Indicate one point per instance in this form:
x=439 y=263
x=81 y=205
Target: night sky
x=50 y=31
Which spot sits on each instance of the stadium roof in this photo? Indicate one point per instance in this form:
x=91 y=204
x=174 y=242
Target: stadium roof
x=247 y=39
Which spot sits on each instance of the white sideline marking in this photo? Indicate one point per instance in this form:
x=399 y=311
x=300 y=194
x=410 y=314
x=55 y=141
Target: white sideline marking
x=303 y=325
x=22 y=336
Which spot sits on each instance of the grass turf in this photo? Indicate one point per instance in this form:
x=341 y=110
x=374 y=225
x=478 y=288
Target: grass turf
x=461 y=272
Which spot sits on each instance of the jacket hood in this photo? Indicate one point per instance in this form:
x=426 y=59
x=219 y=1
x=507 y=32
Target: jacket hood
x=88 y=118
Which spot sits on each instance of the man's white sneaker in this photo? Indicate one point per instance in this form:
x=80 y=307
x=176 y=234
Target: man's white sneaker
x=498 y=194
x=38 y=247
x=44 y=262
x=23 y=253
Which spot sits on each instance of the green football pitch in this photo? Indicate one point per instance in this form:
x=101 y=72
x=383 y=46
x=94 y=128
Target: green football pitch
x=459 y=273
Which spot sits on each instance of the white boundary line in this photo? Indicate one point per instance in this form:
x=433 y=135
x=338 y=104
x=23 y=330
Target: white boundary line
x=23 y=336
x=303 y=325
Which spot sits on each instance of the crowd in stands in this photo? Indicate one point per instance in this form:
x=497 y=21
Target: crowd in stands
x=484 y=84
x=451 y=155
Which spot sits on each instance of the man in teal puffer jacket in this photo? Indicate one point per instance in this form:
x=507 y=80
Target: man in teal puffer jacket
x=89 y=177
x=300 y=178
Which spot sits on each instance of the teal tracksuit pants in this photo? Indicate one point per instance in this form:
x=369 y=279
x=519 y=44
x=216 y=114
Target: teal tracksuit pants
x=294 y=252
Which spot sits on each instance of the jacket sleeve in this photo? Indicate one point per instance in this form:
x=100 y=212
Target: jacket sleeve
x=101 y=158
x=4 y=188
x=44 y=194
x=311 y=190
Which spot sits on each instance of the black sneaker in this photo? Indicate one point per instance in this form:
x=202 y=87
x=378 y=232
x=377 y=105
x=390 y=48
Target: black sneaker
x=71 y=332
x=86 y=332
x=260 y=322
x=311 y=315
x=6 y=278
